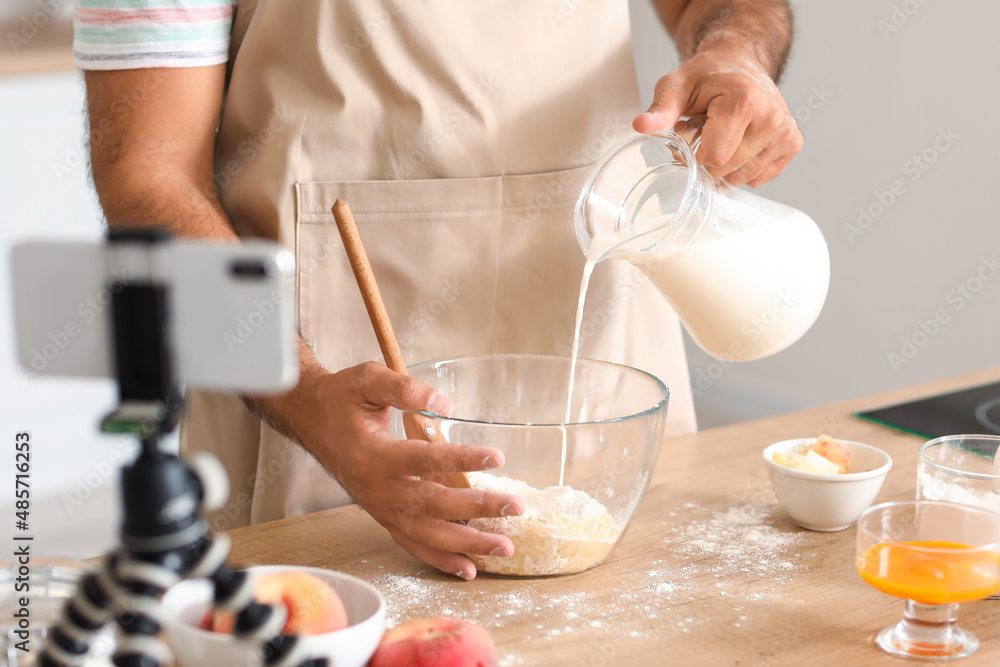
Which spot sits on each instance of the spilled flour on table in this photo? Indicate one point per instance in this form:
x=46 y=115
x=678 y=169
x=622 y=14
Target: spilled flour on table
x=741 y=539
x=746 y=553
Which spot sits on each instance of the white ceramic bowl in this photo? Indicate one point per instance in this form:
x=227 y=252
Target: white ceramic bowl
x=828 y=502
x=186 y=602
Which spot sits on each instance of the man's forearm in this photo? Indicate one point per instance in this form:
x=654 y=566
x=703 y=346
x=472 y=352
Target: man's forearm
x=761 y=29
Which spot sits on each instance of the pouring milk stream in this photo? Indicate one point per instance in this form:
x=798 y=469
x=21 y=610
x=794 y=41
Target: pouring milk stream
x=746 y=275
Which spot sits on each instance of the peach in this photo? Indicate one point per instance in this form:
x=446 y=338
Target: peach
x=435 y=642
x=833 y=451
x=207 y=621
x=313 y=607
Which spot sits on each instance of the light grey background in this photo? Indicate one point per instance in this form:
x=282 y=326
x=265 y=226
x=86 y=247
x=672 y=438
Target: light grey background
x=887 y=97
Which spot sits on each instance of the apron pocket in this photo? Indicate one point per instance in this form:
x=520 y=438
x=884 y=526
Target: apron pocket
x=465 y=266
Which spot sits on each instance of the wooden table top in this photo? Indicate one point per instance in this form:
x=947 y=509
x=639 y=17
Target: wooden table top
x=710 y=572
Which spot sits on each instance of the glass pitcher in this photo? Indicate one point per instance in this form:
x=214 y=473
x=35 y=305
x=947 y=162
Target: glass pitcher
x=746 y=275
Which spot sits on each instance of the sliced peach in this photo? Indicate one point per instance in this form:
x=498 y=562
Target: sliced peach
x=834 y=451
x=218 y=621
x=811 y=462
x=207 y=621
x=779 y=458
x=436 y=642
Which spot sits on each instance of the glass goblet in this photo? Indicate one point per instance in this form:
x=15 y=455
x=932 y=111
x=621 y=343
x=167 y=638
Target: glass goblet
x=934 y=555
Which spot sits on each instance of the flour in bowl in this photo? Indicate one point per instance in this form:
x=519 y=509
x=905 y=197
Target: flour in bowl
x=562 y=530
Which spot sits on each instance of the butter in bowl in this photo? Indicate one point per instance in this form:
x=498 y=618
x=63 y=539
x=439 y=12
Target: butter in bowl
x=825 y=484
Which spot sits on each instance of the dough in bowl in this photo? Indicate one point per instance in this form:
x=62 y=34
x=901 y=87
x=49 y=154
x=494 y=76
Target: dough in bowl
x=562 y=530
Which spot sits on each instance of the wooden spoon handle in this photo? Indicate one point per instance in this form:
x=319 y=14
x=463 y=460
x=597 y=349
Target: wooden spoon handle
x=417 y=427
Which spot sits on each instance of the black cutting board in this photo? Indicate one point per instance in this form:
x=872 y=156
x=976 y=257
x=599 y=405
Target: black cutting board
x=975 y=410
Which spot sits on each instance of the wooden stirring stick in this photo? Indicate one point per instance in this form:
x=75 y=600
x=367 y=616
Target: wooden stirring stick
x=417 y=427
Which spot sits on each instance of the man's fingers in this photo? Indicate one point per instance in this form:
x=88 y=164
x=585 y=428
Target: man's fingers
x=772 y=161
x=455 y=537
x=463 y=504
x=729 y=116
x=749 y=170
x=773 y=134
x=424 y=459
x=448 y=562
x=670 y=99
x=380 y=386
x=756 y=147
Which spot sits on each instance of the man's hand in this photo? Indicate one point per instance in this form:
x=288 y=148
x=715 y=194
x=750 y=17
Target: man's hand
x=749 y=136
x=734 y=52
x=343 y=420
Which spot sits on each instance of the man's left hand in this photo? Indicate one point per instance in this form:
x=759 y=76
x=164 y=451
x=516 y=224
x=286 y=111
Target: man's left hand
x=749 y=135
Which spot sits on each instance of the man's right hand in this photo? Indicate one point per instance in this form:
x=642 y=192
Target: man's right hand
x=343 y=420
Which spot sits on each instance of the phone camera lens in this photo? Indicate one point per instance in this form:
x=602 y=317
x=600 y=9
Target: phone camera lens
x=249 y=269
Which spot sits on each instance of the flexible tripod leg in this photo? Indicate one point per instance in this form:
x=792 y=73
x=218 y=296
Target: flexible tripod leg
x=164 y=540
x=84 y=616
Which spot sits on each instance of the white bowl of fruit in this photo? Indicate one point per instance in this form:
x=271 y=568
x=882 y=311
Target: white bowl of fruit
x=825 y=484
x=337 y=616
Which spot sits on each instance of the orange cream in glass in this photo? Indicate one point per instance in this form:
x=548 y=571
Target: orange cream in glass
x=931 y=572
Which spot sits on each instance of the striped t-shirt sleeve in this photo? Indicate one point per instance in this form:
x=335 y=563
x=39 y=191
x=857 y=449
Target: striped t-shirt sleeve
x=133 y=34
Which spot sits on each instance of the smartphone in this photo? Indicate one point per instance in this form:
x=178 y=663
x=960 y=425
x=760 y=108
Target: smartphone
x=230 y=309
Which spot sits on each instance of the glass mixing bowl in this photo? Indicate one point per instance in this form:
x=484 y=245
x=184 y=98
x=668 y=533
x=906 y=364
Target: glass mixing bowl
x=517 y=403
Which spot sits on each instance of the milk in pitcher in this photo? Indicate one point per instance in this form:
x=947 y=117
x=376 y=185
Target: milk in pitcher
x=744 y=291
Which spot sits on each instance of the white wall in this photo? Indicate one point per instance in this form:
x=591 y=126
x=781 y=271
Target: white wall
x=45 y=192
x=889 y=96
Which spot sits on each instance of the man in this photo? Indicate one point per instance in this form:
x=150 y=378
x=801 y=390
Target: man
x=460 y=133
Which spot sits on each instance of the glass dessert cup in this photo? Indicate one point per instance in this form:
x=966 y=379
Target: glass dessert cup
x=517 y=404
x=961 y=469
x=934 y=555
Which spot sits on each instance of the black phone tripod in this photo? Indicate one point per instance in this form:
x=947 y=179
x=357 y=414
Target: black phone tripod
x=164 y=538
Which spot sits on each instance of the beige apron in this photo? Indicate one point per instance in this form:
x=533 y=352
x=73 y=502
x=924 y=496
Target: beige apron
x=461 y=134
